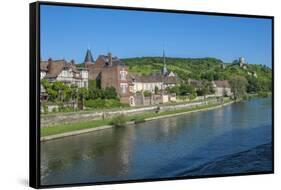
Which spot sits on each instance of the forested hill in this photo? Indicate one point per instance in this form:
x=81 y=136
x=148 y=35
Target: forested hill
x=200 y=68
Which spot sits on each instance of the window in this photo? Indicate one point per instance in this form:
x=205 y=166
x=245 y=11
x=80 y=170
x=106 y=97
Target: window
x=123 y=87
x=123 y=74
x=132 y=101
x=131 y=89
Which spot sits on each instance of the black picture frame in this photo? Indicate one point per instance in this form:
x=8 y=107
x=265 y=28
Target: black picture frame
x=34 y=90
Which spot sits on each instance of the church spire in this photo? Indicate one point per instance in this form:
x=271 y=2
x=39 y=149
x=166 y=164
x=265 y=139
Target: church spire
x=89 y=57
x=164 y=70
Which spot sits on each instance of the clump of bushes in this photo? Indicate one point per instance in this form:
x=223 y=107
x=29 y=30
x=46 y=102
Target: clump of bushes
x=54 y=109
x=245 y=97
x=147 y=93
x=262 y=94
x=104 y=103
x=119 y=121
x=66 y=109
x=139 y=120
x=192 y=96
x=97 y=103
x=45 y=108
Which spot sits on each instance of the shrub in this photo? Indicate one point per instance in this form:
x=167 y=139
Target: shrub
x=262 y=94
x=103 y=103
x=45 y=108
x=66 y=109
x=97 y=103
x=147 y=93
x=119 y=121
x=111 y=103
x=192 y=96
x=139 y=120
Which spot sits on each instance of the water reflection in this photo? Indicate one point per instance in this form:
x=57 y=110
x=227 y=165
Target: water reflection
x=112 y=146
x=159 y=148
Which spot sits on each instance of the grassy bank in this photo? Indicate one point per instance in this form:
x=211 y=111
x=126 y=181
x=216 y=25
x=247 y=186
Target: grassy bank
x=63 y=128
x=148 y=116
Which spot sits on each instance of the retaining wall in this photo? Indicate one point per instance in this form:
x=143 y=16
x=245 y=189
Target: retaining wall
x=52 y=119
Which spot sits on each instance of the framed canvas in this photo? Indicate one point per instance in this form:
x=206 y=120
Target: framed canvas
x=122 y=94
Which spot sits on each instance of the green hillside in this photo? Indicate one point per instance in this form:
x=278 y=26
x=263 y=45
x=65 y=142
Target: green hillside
x=204 y=69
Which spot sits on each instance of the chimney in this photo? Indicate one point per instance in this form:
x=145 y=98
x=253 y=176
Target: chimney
x=50 y=60
x=49 y=64
x=110 y=59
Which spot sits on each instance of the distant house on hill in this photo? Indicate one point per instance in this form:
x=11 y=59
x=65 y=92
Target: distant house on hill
x=66 y=72
x=242 y=61
x=222 y=88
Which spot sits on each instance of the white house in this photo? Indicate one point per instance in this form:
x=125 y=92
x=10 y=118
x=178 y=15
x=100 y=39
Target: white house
x=222 y=88
x=68 y=73
x=152 y=82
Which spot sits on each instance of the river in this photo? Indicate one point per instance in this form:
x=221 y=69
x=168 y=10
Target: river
x=230 y=140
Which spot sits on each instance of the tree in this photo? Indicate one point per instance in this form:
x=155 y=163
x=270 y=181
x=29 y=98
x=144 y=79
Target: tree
x=174 y=89
x=208 y=76
x=92 y=84
x=156 y=90
x=73 y=95
x=45 y=83
x=206 y=88
x=238 y=86
x=110 y=93
x=65 y=93
x=58 y=86
x=52 y=94
x=82 y=94
x=185 y=89
x=253 y=86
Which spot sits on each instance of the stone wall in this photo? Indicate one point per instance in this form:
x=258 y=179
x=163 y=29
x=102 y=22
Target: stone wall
x=57 y=118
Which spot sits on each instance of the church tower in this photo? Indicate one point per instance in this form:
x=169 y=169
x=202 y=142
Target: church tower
x=88 y=58
x=164 y=69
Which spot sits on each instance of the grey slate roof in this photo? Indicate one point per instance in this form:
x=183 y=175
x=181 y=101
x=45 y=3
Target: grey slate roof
x=115 y=60
x=153 y=78
x=88 y=57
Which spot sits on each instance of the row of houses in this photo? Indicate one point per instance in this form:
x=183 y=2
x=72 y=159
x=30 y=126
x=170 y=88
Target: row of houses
x=110 y=71
x=220 y=87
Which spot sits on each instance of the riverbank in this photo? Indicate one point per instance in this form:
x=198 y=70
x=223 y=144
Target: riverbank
x=65 y=130
x=81 y=116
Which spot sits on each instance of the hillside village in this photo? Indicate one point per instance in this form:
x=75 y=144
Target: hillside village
x=114 y=80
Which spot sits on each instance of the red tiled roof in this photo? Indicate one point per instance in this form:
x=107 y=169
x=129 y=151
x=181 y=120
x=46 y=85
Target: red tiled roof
x=55 y=67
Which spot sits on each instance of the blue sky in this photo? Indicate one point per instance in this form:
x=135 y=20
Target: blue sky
x=67 y=32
